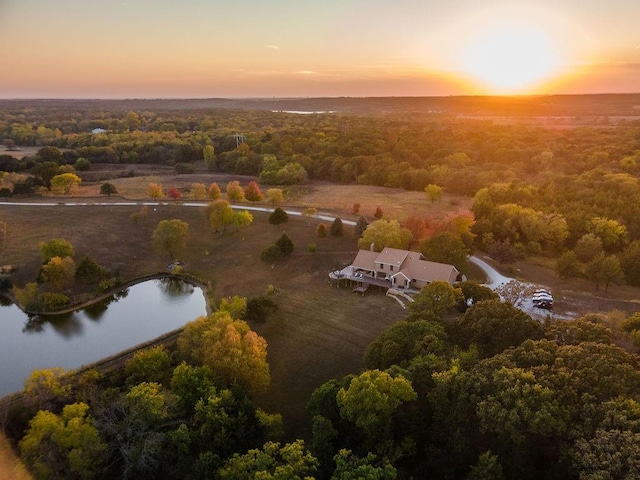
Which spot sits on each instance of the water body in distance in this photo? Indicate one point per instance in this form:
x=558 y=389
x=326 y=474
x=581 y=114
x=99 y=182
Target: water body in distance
x=141 y=313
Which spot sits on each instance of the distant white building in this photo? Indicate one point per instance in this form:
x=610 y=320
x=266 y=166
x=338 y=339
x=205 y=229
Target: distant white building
x=98 y=130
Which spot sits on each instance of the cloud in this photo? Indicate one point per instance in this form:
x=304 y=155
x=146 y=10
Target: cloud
x=306 y=72
x=273 y=47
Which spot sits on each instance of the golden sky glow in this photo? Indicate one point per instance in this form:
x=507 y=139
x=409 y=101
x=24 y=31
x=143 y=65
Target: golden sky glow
x=257 y=48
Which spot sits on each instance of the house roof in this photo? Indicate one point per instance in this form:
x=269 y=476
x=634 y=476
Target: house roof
x=365 y=259
x=392 y=256
x=429 y=271
x=410 y=264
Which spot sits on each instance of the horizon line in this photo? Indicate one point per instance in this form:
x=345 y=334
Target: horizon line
x=245 y=98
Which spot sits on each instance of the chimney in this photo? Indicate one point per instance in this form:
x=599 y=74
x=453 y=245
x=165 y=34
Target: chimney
x=371 y=247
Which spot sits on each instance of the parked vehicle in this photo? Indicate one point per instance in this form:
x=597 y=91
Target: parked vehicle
x=543 y=299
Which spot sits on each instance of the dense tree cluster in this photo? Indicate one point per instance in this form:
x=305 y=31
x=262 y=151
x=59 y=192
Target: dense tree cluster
x=537 y=190
x=490 y=393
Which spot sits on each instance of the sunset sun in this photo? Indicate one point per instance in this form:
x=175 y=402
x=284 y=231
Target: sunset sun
x=510 y=58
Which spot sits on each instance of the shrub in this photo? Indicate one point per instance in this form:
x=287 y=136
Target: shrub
x=5 y=283
x=312 y=247
x=82 y=165
x=337 y=229
x=183 y=168
x=271 y=254
x=278 y=217
x=285 y=244
x=259 y=308
x=89 y=270
x=109 y=283
x=53 y=301
x=322 y=231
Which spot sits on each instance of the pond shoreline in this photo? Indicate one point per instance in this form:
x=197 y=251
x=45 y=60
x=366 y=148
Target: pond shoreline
x=205 y=286
x=118 y=359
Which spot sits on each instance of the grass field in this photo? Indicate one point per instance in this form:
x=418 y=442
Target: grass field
x=319 y=332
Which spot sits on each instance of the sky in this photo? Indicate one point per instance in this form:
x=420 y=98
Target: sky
x=316 y=48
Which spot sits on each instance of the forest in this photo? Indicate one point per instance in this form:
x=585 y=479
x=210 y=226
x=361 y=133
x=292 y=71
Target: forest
x=465 y=387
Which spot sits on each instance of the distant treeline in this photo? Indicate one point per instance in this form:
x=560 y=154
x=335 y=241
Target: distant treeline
x=538 y=189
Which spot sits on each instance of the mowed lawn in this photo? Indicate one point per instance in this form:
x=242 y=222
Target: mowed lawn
x=319 y=332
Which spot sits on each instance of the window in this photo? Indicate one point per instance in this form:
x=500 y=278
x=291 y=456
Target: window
x=391 y=267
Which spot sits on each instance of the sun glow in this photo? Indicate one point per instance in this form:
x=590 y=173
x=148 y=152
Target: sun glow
x=510 y=58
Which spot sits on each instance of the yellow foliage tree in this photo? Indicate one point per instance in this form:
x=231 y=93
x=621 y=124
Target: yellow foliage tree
x=59 y=271
x=64 y=183
x=234 y=352
x=155 y=191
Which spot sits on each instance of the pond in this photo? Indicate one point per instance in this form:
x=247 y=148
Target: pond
x=138 y=314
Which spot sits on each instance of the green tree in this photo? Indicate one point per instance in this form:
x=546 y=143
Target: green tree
x=604 y=270
x=59 y=271
x=285 y=245
x=588 y=247
x=337 y=229
x=209 y=154
x=630 y=263
x=50 y=154
x=46 y=171
x=568 y=265
x=272 y=462
x=474 y=292
x=271 y=254
x=56 y=247
x=575 y=332
x=235 y=306
x=108 y=189
x=278 y=217
x=351 y=467
x=170 y=236
x=404 y=341
x=220 y=215
x=360 y=227
x=149 y=365
x=252 y=192
x=385 y=233
x=65 y=182
x=259 y=308
x=434 y=301
x=65 y=446
x=445 y=248
x=487 y=468
x=371 y=400
x=612 y=233
x=608 y=454
x=235 y=193
x=82 y=165
x=434 y=192
x=494 y=326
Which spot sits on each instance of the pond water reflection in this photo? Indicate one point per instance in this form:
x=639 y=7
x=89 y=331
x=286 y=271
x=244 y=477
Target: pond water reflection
x=136 y=315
